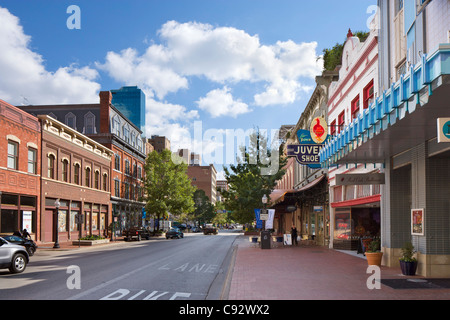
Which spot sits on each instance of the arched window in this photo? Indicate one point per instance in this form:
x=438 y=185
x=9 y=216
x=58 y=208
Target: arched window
x=105 y=182
x=97 y=179
x=71 y=120
x=89 y=123
x=51 y=166
x=76 y=174
x=88 y=177
x=65 y=170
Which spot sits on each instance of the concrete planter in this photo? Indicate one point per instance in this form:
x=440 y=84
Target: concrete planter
x=89 y=242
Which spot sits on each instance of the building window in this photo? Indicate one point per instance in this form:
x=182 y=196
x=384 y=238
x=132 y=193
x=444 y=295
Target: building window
x=341 y=121
x=13 y=155
x=105 y=182
x=135 y=173
x=71 y=120
x=65 y=170
x=127 y=167
x=368 y=94
x=76 y=174
x=333 y=128
x=127 y=190
x=88 y=177
x=32 y=160
x=51 y=166
x=126 y=134
x=117 y=188
x=117 y=162
x=97 y=179
x=89 y=123
x=139 y=173
x=355 y=107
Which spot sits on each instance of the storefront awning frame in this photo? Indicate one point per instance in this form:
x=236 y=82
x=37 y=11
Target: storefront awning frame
x=402 y=117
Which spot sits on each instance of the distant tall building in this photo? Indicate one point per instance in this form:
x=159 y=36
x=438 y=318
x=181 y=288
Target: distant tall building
x=204 y=178
x=130 y=101
x=159 y=143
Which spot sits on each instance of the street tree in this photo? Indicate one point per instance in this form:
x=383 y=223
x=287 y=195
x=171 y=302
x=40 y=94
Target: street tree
x=167 y=185
x=255 y=175
x=203 y=208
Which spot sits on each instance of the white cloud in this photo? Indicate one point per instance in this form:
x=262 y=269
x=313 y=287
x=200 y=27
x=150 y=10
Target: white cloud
x=24 y=79
x=219 y=54
x=220 y=102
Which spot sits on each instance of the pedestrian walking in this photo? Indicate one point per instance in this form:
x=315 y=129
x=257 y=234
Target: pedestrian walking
x=294 y=235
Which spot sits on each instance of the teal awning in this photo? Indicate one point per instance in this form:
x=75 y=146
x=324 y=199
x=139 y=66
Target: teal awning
x=402 y=117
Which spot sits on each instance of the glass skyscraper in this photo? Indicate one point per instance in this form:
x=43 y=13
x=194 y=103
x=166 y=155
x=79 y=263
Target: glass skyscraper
x=130 y=101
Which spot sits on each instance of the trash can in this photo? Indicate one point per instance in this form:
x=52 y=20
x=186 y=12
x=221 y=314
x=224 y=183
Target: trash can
x=265 y=239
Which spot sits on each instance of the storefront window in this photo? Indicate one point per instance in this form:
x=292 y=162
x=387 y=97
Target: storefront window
x=10 y=221
x=62 y=220
x=343 y=226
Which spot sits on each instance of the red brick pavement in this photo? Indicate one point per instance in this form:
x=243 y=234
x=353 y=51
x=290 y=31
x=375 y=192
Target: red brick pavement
x=312 y=273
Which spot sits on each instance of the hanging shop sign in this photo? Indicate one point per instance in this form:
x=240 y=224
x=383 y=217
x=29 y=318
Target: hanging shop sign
x=359 y=179
x=310 y=143
x=443 y=126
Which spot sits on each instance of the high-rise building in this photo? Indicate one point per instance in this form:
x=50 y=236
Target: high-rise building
x=130 y=101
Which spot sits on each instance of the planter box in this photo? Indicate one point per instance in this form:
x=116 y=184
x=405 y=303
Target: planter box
x=89 y=242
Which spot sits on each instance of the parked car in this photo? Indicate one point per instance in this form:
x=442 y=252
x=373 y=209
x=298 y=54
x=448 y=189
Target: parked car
x=195 y=229
x=174 y=233
x=13 y=256
x=29 y=244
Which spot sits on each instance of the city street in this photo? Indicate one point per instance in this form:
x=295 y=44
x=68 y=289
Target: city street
x=193 y=268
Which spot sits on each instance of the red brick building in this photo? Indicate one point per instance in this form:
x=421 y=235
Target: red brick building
x=106 y=125
x=76 y=170
x=204 y=178
x=20 y=140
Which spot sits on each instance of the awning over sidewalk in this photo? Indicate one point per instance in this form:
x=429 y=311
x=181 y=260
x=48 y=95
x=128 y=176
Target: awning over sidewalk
x=402 y=117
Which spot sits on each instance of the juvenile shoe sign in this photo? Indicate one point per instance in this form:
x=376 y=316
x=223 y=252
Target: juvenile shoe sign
x=310 y=143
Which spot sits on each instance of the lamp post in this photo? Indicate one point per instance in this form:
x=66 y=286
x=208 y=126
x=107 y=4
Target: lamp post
x=57 y=204
x=264 y=201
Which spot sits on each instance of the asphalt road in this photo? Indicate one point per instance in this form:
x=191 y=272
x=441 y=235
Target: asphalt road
x=192 y=268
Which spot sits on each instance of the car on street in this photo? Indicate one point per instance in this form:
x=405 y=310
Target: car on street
x=136 y=233
x=29 y=244
x=174 y=233
x=13 y=256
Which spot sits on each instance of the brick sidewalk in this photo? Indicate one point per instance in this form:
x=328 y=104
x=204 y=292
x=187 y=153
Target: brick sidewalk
x=314 y=273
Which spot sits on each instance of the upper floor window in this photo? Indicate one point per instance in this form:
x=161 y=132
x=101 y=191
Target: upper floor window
x=105 y=182
x=117 y=162
x=13 y=155
x=127 y=167
x=341 y=121
x=368 y=95
x=89 y=123
x=88 y=177
x=97 y=179
x=51 y=166
x=355 y=107
x=71 y=120
x=32 y=160
x=333 y=128
x=65 y=170
x=126 y=134
x=76 y=173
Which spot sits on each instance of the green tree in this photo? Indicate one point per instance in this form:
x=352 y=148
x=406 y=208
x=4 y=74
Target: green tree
x=254 y=176
x=333 y=57
x=167 y=185
x=203 y=208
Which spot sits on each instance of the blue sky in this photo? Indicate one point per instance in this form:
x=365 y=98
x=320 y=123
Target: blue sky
x=224 y=64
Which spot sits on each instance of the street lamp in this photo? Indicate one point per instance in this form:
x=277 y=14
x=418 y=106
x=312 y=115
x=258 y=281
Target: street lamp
x=264 y=201
x=57 y=205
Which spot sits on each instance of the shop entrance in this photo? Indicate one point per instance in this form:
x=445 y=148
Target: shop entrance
x=319 y=238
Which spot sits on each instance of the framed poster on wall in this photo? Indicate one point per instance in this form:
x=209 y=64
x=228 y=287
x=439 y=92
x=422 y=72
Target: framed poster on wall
x=417 y=222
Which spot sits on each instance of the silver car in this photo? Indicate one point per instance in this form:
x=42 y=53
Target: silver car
x=13 y=257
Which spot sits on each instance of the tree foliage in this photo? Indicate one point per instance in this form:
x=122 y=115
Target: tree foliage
x=167 y=185
x=203 y=208
x=333 y=57
x=255 y=175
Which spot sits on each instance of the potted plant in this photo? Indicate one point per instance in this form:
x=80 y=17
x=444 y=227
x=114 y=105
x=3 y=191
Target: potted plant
x=373 y=253
x=408 y=263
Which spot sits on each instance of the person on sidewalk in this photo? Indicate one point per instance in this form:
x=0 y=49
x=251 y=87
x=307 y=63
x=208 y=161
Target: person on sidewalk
x=294 y=235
